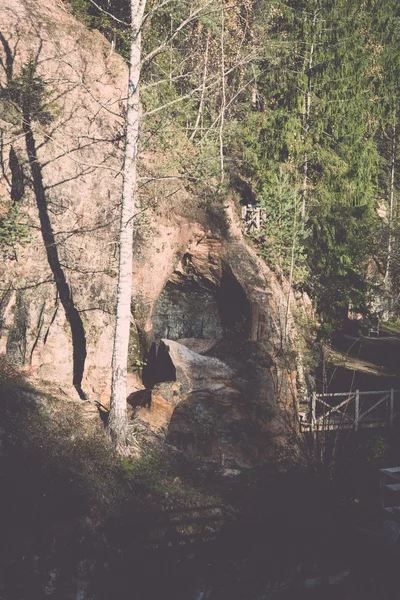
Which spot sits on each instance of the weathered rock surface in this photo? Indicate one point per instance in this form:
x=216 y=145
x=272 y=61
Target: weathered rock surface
x=81 y=159
x=224 y=314
x=197 y=284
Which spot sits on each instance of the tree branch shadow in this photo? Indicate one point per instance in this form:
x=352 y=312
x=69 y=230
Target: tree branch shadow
x=26 y=93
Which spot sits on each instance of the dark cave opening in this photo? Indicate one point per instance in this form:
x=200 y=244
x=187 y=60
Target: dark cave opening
x=159 y=366
x=233 y=307
x=187 y=309
x=192 y=308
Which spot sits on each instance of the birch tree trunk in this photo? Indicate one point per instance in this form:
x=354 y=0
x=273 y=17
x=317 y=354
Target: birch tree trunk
x=199 y=119
x=223 y=103
x=292 y=263
x=391 y=208
x=307 y=112
x=117 y=424
x=387 y=279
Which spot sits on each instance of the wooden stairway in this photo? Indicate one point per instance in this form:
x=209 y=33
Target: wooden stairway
x=390 y=492
x=385 y=528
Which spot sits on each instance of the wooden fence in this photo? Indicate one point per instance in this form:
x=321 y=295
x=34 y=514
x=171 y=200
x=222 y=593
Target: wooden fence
x=358 y=409
x=251 y=216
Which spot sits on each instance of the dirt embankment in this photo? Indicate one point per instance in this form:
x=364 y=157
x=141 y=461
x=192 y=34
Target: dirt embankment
x=362 y=362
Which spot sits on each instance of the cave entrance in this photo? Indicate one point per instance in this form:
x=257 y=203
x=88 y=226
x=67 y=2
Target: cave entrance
x=233 y=307
x=159 y=366
x=195 y=308
x=189 y=309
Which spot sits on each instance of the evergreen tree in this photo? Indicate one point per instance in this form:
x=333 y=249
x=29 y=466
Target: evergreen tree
x=315 y=120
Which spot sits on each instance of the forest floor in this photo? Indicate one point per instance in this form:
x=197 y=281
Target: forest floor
x=79 y=521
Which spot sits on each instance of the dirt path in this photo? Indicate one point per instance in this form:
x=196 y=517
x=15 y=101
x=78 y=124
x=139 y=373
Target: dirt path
x=364 y=363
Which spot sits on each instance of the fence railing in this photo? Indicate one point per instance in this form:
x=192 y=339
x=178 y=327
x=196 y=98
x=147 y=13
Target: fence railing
x=358 y=409
x=251 y=216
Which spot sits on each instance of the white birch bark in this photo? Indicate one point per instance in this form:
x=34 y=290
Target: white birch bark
x=292 y=263
x=223 y=103
x=391 y=207
x=386 y=280
x=118 y=418
x=203 y=92
x=307 y=126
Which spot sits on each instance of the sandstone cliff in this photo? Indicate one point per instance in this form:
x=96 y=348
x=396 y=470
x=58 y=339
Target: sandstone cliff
x=81 y=160
x=220 y=384
x=220 y=313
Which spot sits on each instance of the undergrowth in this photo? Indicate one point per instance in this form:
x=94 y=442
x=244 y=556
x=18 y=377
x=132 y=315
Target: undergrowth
x=156 y=474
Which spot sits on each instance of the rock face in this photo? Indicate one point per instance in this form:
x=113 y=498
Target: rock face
x=218 y=385
x=80 y=159
x=223 y=315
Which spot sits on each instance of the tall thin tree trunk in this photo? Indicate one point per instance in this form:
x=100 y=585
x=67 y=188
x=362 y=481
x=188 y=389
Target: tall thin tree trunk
x=118 y=418
x=203 y=91
x=391 y=208
x=280 y=249
x=292 y=263
x=223 y=103
x=307 y=113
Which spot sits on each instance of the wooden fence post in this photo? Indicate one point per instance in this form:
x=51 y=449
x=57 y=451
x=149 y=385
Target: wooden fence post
x=258 y=218
x=313 y=410
x=391 y=408
x=356 y=409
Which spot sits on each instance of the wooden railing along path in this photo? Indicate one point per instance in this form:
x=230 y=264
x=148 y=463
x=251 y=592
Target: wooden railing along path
x=358 y=409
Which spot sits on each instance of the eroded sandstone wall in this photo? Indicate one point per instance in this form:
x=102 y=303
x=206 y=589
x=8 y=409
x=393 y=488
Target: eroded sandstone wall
x=222 y=315
x=197 y=283
x=80 y=157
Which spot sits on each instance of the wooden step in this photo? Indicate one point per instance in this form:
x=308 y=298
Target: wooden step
x=393 y=473
x=393 y=511
x=392 y=487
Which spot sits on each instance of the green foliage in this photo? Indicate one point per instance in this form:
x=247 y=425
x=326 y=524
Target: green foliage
x=376 y=448
x=153 y=472
x=338 y=252
x=310 y=123
x=150 y=469
x=13 y=230
x=140 y=363
x=94 y=18
x=27 y=95
x=281 y=238
x=128 y=467
x=312 y=136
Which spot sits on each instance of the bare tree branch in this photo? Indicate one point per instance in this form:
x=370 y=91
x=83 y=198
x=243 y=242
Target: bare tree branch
x=177 y=30
x=212 y=84
x=109 y=14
